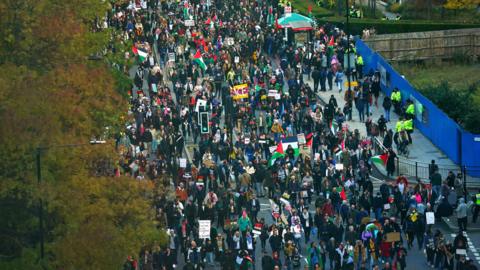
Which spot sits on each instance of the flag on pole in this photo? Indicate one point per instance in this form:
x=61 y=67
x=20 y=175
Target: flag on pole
x=199 y=60
x=380 y=159
x=334 y=126
x=274 y=157
x=141 y=53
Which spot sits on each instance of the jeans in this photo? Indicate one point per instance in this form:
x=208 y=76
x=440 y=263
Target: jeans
x=259 y=188
x=361 y=114
x=387 y=115
x=209 y=257
x=436 y=189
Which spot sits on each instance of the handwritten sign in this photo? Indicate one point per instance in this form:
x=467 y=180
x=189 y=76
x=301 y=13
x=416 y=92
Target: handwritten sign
x=393 y=237
x=204 y=229
x=189 y=23
x=183 y=162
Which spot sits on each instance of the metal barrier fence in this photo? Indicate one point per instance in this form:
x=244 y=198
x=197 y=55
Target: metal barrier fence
x=420 y=170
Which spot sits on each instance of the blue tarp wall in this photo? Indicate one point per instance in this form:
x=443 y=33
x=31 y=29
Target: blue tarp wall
x=460 y=146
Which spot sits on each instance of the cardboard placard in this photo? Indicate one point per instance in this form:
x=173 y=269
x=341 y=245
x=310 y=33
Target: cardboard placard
x=229 y=41
x=339 y=166
x=236 y=59
x=393 y=237
x=189 y=23
x=305 y=151
x=204 y=229
x=461 y=252
x=365 y=220
x=386 y=206
x=430 y=216
x=301 y=138
x=171 y=57
x=272 y=93
x=183 y=162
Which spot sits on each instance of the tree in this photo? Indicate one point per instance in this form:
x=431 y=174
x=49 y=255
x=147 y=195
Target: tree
x=51 y=94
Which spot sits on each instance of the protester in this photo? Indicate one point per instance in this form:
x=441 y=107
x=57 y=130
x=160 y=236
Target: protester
x=224 y=120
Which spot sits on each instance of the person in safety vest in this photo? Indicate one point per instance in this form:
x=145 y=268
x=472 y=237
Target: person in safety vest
x=399 y=127
x=396 y=98
x=410 y=110
x=476 y=207
x=359 y=66
x=408 y=126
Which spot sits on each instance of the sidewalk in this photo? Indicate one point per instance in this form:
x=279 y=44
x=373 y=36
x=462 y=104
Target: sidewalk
x=452 y=224
x=421 y=150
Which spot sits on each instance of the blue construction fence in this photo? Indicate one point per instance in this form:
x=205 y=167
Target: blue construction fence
x=460 y=146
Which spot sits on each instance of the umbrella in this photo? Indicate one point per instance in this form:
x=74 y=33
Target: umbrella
x=371 y=226
x=296 y=22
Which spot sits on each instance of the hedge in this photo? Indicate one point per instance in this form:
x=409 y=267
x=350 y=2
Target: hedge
x=318 y=12
x=391 y=27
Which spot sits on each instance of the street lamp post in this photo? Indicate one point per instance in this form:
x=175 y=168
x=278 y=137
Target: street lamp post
x=38 y=155
x=349 y=70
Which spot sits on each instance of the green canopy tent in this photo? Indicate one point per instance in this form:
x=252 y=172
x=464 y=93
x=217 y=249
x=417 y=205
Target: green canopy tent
x=296 y=22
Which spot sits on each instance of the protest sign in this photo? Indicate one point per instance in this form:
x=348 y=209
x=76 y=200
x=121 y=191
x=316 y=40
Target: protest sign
x=204 y=229
x=239 y=91
x=183 y=162
x=301 y=138
x=430 y=218
x=189 y=23
x=393 y=237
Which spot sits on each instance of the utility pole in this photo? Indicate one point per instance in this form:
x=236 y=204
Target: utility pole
x=40 y=203
x=38 y=156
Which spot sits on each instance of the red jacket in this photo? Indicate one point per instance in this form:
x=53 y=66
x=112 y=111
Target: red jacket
x=385 y=249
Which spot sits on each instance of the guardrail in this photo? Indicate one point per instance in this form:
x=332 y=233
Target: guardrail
x=420 y=170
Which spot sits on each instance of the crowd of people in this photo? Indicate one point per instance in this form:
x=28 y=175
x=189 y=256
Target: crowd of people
x=267 y=144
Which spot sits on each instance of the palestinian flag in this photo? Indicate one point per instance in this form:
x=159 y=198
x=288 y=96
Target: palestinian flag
x=274 y=157
x=309 y=139
x=380 y=159
x=342 y=193
x=199 y=60
x=290 y=141
x=334 y=126
x=141 y=53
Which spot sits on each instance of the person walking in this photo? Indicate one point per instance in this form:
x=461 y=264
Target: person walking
x=387 y=105
x=316 y=78
x=360 y=105
x=461 y=212
x=391 y=162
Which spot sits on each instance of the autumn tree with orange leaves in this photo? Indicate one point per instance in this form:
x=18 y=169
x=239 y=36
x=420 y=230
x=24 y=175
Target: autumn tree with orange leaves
x=51 y=94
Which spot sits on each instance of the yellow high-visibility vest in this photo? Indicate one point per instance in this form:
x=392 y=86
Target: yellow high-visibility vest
x=408 y=125
x=399 y=126
x=359 y=60
x=410 y=109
